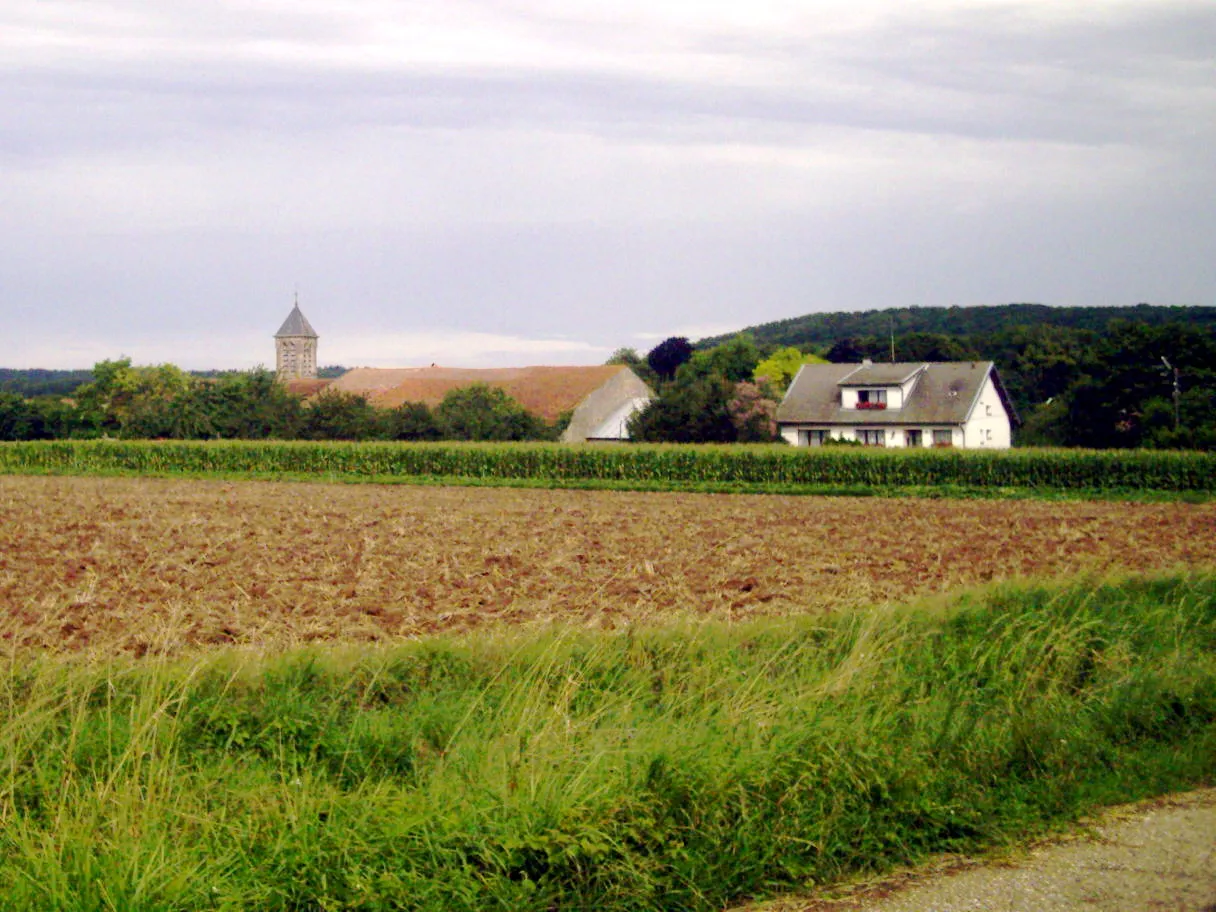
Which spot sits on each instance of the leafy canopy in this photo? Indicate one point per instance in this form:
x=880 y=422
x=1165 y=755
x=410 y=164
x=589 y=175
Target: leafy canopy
x=484 y=412
x=779 y=368
x=666 y=357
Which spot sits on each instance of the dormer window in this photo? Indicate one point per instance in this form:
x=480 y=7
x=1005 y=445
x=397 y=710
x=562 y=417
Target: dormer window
x=872 y=399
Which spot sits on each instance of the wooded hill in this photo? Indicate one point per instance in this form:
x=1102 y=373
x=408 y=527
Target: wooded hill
x=40 y=382
x=30 y=382
x=823 y=330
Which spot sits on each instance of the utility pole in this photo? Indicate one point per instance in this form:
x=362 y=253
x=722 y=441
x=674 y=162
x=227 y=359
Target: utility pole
x=892 y=340
x=1177 y=391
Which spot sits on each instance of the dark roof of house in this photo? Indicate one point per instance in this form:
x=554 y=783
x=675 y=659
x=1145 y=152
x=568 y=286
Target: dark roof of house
x=880 y=374
x=944 y=394
x=296 y=324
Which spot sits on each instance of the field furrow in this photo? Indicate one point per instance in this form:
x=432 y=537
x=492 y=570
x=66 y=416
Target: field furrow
x=142 y=565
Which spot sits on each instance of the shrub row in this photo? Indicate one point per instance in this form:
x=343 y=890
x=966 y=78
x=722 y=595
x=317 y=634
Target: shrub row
x=648 y=464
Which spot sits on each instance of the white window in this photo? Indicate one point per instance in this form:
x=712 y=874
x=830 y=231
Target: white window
x=814 y=438
x=871 y=437
x=943 y=438
x=872 y=399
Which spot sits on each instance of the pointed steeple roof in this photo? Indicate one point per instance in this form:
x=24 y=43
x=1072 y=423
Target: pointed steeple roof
x=296 y=324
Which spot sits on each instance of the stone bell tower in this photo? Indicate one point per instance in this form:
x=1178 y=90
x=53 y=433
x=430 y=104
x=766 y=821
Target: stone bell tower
x=295 y=347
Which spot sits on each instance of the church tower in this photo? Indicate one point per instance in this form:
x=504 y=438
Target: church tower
x=295 y=347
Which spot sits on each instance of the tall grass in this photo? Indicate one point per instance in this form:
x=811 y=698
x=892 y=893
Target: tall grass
x=659 y=769
x=672 y=466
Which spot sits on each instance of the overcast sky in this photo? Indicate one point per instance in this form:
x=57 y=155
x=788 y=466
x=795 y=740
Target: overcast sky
x=498 y=182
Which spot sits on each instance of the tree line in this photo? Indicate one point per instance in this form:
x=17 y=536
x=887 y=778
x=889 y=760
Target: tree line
x=165 y=402
x=1132 y=383
x=822 y=330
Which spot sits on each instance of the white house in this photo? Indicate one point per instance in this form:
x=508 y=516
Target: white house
x=955 y=403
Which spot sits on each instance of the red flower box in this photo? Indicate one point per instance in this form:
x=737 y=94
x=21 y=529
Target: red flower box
x=871 y=405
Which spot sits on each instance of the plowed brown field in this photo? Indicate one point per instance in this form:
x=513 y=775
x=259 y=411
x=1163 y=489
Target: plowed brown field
x=153 y=564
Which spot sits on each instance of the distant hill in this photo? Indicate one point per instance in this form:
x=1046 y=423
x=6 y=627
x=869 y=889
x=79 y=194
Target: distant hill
x=824 y=329
x=329 y=372
x=40 y=382
x=31 y=382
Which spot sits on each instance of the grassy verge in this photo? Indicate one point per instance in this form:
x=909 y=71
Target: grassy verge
x=658 y=769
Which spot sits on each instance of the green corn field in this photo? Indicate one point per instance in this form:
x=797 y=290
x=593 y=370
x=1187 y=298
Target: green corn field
x=1155 y=470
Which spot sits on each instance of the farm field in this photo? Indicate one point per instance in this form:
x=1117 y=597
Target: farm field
x=157 y=565
x=464 y=698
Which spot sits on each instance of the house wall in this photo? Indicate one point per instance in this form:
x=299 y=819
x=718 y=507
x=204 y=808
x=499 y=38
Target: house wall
x=988 y=426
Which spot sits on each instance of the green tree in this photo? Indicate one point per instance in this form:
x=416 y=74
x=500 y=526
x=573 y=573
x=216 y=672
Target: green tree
x=734 y=360
x=484 y=412
x=780 y=368
x=1045 y=424
x=127 y=401
x=179 y=417
x=252 y=405
x=55 y=418
x=689 y=410
x=410 y=421
x=666 y=357
x=17 y=419
x=338 y=415
x=1040 y=363
x=228 y=405
x=928 y=346
x=851 y=350
x=1127 y=399
x=627 y=356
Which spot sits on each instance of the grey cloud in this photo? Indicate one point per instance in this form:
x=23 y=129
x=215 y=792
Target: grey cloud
x=385 y=194
x=1000 y=73
x=988 y=74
